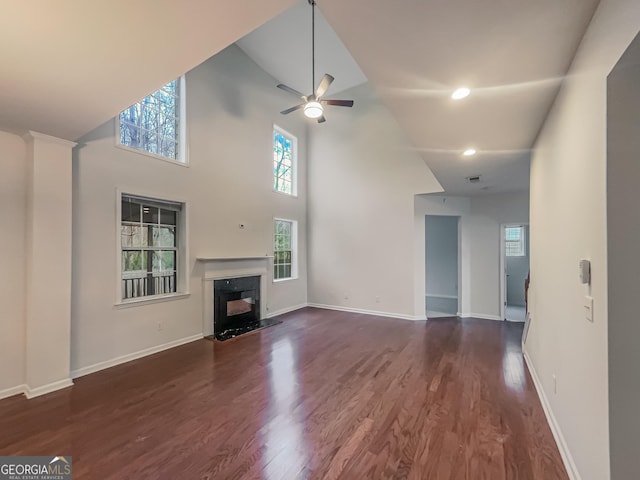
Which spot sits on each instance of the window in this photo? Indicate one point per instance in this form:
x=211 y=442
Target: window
x=514 y=240
x=154 y=124
x=284 y=161
x=149 y=236
x=285 y=246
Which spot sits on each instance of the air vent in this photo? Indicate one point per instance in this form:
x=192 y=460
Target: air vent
x=473 y=179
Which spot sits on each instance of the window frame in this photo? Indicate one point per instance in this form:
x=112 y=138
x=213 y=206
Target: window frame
x=522 y=241
x=182 y=251
x=294 y=161
x=294 y=249
x=182 y=157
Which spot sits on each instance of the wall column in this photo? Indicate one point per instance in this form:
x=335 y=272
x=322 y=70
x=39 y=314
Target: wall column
x=48 y=264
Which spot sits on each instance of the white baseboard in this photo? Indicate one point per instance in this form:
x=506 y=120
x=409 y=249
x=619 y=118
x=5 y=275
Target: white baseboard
x=368 y=312
x=96 y=367
x=10 y=392
x=480 y=316
x=44 y=389
x=286 y=310
x=567 y=459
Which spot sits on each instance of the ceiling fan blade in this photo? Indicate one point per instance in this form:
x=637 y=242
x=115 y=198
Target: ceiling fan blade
x=324 y=85
x=292 y=109
x=338 y=103
x=322 y=119
x=282 y=86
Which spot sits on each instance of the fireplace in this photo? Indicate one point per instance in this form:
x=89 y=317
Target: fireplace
x=236 y=306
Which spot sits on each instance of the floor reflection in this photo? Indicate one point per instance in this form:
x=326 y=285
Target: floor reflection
x=513 y=369
x=286 y=453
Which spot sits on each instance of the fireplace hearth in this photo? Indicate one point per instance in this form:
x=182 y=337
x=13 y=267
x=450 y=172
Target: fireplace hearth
x=237 y=307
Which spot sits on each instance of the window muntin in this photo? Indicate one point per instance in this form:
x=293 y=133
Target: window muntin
x=283 y=261
x=514 y=241
x=284 y=161
x=149 y=247
x=153 y=124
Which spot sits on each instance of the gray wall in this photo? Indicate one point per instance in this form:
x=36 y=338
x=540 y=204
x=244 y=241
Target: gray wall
x=441 y=255
x=623 y=239
x=517 y=270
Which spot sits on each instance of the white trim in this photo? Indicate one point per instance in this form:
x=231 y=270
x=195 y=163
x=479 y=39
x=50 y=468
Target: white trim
x=96 y=367
x=294 y=248
x=565 y=453
x=399 y=316
x=481 y=316
x=183 y=147
x=294 y=161
x=44 y=389
x=236 y=273
x=10 y=392
x=182 y=252
x=503 y=265
x=31 y=135
x=230 y=259
x=282 y=311
x=137 y=301
x=155 y=156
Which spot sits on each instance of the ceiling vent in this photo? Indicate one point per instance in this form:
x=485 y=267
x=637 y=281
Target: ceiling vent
x=473 y=179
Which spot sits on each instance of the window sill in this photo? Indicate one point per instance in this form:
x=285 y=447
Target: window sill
x=290 y=195
x=148 y=300
x=152 y=155
x=279 y=280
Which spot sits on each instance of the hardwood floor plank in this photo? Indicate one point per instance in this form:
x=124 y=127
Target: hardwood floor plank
x=324 y=395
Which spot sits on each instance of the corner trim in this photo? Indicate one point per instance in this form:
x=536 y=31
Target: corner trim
x=567 y=459
x=44 y=389
x=10 y=392
x=368 y=312
x=32 y=135
x=96 y=367
x=286 y=310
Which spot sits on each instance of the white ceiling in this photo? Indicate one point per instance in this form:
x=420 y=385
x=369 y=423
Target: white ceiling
x=512 y=54
x=70 y=65
x=282 y=47
x=67 y=66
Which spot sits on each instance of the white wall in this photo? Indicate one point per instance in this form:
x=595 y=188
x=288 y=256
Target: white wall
x=480 y=220
x=441 y=243
x=362 y=179
x=12 y=249
x=623 y=239
x=568 y=196
x=231 y=107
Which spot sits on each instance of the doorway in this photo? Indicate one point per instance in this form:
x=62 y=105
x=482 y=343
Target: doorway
x=442 y=265
x=515 y=271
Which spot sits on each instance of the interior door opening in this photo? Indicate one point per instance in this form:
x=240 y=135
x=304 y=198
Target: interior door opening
x=515 y=271
x=442 y=266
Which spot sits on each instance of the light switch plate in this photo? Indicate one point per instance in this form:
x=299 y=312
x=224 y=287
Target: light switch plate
x=588 y=308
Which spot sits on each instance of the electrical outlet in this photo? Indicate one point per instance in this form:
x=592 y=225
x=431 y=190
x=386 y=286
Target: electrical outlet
x=377 y=299
x=346 y=297
x=555 y=384
x=159 y=326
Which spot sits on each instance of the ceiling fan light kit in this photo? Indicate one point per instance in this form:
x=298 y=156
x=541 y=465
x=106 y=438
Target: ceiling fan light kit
x=313 y=104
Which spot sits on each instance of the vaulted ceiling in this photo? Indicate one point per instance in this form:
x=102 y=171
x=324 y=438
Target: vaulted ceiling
x=70 y=65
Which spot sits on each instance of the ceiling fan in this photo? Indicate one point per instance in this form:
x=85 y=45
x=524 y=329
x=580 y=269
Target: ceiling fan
x=313 y=104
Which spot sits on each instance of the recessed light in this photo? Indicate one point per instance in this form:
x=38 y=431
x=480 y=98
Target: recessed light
x=469 y=152
x=460 y=93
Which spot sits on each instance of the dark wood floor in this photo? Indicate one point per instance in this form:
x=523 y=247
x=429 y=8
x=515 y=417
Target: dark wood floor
x=324 y=395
